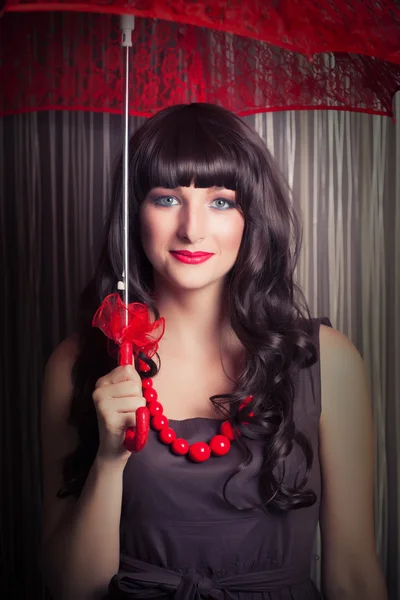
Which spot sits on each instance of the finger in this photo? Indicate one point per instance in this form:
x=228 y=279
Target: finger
x=108 y=406
x=119 y=374
x=125 y=405
x=110 y=393
x=129 y=420
x=125 y=388
x=119 y=422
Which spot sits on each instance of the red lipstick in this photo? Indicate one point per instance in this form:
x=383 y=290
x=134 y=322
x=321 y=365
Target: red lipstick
x=191 y=258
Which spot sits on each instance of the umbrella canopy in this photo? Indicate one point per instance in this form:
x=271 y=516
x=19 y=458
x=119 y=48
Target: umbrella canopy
x=307 y=26
x=249 y=57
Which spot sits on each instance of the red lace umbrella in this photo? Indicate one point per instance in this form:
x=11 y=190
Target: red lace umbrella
x=247 y=56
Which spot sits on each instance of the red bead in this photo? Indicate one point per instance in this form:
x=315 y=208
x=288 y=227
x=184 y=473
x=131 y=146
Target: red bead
x=220 y=445
x=167 y=435
x=226 y=429
x=155 y=408
x=159 y=422
x=180 y=446
x=150 y=394
x=199 y=452
x=147 y=382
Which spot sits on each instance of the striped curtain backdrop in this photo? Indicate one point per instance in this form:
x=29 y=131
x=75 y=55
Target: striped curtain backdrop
x=55 y=168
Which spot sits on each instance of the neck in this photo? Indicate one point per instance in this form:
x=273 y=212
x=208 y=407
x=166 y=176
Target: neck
x=194 y=319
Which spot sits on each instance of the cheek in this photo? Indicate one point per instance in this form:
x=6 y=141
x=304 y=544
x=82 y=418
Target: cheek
x=152 y=231
x=147 y=231
x=230 y=234
x=147 y=235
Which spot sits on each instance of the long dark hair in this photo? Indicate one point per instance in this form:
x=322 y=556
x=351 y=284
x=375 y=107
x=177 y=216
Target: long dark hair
x=210 y=146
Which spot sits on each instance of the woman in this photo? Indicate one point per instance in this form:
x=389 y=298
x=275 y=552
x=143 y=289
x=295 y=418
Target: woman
x=239 y=346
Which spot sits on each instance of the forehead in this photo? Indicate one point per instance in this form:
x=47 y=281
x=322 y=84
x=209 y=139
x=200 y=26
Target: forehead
x=177 y=161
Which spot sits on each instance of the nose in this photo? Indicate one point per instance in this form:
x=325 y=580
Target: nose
x=192 y=223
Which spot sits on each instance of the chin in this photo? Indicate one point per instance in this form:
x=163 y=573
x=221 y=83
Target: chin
x=193 y=282
x=191 y=286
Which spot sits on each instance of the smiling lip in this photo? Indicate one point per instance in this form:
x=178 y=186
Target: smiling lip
x=191 y=258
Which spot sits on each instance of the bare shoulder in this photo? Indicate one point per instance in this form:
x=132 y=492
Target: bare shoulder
x=58 y=438
x=66 y=351
x=333 y=340
x=344 y=380
x=57 y=380
x=340 y=362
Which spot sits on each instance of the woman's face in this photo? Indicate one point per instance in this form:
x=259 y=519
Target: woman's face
x=191 y=220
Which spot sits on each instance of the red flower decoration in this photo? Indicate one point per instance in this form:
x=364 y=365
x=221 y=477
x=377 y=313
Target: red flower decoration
x=138 y=329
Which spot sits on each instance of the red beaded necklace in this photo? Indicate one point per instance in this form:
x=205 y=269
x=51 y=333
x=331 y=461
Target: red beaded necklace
x=198 y=452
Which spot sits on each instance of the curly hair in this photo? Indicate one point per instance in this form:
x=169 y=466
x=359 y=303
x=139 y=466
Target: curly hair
x=209 y=146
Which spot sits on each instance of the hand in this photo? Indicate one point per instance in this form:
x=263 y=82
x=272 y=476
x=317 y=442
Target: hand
x=116 y=397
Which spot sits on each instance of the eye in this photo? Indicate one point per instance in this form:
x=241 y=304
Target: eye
x=222 y=201
x=164 y=201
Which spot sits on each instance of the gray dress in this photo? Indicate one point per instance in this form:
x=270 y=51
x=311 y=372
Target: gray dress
x=180 y=540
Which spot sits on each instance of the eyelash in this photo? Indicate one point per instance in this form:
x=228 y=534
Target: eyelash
x=230 y=203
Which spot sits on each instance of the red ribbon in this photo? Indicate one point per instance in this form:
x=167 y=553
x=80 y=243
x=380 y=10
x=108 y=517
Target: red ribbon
x=137 y=329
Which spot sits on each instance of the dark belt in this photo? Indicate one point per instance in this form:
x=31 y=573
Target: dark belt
x=144 y=580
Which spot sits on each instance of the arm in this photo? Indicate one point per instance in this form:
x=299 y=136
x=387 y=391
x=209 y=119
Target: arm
x=350 y=566
x=80 y=539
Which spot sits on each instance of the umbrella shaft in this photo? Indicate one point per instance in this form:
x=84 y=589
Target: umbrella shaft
x=125 y=275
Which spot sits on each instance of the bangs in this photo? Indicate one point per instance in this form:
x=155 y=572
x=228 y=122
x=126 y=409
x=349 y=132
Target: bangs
x=185 y=149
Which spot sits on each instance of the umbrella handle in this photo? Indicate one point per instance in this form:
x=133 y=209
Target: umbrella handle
x=135 y=437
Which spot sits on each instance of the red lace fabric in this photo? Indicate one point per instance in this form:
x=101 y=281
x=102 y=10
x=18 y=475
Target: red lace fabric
x=249 y=57
x=128 y=324
x=307 y=26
